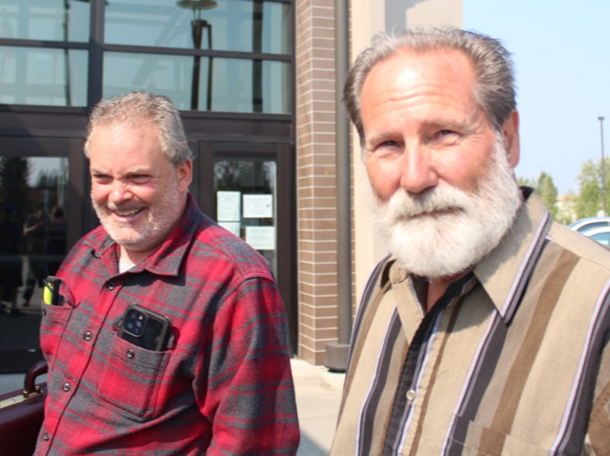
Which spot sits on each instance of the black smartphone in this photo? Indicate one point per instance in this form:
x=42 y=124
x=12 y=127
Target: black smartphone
x=145 y=328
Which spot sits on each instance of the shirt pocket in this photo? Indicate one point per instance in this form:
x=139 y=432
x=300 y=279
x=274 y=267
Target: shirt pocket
x=52 y=326
x=129 y=383
x=497 y=443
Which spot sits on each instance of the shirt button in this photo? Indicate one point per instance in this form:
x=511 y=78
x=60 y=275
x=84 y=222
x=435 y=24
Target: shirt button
x=130 y=354
x=111 y=286
x=66 y=387
x=46 y=436
x=87 y=336
x=411 y=394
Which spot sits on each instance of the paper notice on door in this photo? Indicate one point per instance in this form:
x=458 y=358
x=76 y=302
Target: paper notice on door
x=261 y=237
x=228 y=206
x=258 y=206
x=233 y=227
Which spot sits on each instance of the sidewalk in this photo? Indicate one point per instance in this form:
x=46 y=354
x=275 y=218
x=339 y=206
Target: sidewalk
x=318 y=394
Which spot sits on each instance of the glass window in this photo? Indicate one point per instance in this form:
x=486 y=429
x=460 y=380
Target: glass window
x=49 y=20
x=33 y=199
x=235 y=25
x=246 y=203
x=36 y=76
x=33 y=242
x=589 y=226
x=237 y=85
x=602 y=238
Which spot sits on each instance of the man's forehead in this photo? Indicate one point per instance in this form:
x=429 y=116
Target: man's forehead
x=132 y=147
x=410 y=73
x=444 y=59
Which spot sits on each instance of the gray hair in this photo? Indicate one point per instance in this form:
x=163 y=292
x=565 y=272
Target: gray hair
x=142 y=108
x=495 y=89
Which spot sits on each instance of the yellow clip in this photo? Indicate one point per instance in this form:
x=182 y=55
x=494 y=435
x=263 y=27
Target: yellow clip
x=47 y=295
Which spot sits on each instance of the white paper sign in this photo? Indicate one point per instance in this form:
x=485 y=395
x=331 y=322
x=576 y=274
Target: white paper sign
x=258 y=206
x=261 y=237
x=228 y=206
x=233 y=227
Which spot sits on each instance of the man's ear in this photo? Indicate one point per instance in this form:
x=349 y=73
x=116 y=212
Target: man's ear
x=185 y=175
x=510 y=134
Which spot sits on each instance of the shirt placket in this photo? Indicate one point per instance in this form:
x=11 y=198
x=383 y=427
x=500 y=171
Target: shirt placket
x=421 y=358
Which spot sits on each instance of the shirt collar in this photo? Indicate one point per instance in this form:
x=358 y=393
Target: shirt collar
x=505 y=271
x=168 y=258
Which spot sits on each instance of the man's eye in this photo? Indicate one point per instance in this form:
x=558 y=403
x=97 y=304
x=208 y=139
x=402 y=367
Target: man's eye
x=446 y=137
x=446 y=132
x=102 y=179
x=390 y=144
x=140 y=178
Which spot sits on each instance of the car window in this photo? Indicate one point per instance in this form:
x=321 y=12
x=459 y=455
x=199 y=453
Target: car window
x=590 y=226
x=602 y=238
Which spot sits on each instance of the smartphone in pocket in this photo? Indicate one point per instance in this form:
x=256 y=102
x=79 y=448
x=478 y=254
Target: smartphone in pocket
x=145 y=328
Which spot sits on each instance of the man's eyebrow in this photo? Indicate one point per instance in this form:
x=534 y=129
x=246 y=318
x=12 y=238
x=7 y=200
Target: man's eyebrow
x=449 y=122
x=97 y=171
x=379 y=137
x=138 y=170
x=129 y=172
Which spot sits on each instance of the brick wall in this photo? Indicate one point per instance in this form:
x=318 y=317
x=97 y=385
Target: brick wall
x=316 y=183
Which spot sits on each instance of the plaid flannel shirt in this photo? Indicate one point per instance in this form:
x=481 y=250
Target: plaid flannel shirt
x=223 y=386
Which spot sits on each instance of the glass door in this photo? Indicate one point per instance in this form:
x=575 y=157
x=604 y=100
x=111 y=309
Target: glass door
x=247 y=189
x=41 y=188
x=245 y=203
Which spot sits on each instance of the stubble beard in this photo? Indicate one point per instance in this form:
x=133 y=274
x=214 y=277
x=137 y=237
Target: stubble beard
x=160 y=220
x=445 y=231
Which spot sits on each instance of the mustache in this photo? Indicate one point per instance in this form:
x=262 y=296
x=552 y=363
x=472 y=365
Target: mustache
x=438 y=200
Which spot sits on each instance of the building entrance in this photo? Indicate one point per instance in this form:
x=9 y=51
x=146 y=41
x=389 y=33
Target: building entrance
x=246 y=188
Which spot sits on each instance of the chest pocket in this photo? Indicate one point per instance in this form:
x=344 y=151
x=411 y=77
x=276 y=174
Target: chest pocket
x=129 y=384
x=496 y=444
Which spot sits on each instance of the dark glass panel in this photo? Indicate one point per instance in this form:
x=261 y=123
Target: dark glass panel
x=237 y=85
x=48 y=77
x=49 y=20
x=33 y=197
x=234 y=25
x=33 y=242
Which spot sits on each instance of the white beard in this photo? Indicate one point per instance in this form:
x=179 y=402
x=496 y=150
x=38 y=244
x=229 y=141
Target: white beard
x=467 y=228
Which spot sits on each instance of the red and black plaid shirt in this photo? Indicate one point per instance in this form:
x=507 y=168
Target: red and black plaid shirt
x=224 y=385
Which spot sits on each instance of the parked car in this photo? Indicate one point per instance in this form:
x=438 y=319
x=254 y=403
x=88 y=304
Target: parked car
x=585 y=224
x=601 y=234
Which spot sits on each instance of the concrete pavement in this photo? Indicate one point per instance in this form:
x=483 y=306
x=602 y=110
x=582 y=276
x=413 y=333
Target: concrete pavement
x=318 y=394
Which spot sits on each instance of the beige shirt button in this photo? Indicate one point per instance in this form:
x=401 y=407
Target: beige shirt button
x=411 y=395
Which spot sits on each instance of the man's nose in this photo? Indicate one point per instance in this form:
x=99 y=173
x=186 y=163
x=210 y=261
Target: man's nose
x=119 y=191
x=417 y=170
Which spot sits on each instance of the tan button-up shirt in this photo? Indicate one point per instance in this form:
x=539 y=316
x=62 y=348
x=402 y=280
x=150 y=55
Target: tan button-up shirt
x=512 y=360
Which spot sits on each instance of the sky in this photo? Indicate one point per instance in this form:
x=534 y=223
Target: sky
x=561 y=51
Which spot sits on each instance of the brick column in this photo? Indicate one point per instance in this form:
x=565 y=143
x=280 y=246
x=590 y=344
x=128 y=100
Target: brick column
x=316 y=183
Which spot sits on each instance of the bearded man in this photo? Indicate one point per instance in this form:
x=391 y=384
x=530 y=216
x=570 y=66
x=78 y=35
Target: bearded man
x=486 y=329
x=165 y=334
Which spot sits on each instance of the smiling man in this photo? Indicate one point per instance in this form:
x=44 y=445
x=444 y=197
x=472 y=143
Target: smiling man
x=486 y=329
x=166 y=334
